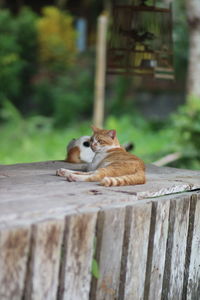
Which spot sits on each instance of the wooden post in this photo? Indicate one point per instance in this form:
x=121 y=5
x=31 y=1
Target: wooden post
x=98 y=113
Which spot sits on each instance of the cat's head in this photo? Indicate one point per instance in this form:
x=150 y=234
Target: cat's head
x=103 y=140
x=78 y=150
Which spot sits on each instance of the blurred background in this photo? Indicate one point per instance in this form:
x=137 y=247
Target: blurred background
x=47 y=71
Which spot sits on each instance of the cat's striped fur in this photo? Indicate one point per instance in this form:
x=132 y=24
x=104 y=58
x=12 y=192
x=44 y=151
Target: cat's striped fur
x=111 y=165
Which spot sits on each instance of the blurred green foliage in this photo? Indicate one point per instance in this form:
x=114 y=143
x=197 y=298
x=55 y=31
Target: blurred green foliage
x=66 y=98
x=187 y=130
x=46 y=94
x=35 y=138
x=11 y=63
x=57 y=38
x=180 y=39
x=17 y=55
x=37 y=56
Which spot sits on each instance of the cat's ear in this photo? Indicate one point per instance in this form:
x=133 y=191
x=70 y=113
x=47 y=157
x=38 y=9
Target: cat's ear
x=94 y=128
x=112 y=133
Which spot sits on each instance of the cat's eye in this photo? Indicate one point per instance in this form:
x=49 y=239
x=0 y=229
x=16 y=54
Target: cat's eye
x=86 y=144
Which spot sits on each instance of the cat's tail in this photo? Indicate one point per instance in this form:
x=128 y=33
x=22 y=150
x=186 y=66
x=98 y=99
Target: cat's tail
x=137 y=178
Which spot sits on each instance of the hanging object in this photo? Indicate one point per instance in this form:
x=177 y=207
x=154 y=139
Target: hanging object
x=140 y=41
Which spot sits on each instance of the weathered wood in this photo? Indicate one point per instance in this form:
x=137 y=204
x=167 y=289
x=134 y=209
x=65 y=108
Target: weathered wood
x=135 y=251
x=176 y=249
x=77 y=257
x=110 y=230
x=147 y=248
x=42 y=277
x=169 y=158
x=193 y=288
x=158 y=251
x=35 y=193
x=14 y=247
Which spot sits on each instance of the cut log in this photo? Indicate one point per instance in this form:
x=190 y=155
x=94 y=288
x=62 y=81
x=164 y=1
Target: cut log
x=135 y=251
x=77 y=257
x=176 y=249
x=193 y=287
x=42 y=277
x=14 y=249
x=110 y=231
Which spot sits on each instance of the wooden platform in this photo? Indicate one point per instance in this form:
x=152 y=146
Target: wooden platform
x=147 y=236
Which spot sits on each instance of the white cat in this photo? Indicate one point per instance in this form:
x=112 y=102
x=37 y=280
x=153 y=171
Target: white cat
x=79 y=151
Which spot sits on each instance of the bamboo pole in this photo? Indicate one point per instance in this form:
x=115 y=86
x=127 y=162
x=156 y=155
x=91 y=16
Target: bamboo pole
x=98 y=113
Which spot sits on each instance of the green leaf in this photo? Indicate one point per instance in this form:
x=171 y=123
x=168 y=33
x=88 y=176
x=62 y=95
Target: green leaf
x=95 y=269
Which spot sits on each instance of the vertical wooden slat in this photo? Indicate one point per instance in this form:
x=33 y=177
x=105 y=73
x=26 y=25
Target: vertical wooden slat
x=77 y=257
x=136 y=243
x=42 y=278
x=110 y=232
x=159 y=250
x=176 y=249
x=14 y=247
x=193 y=288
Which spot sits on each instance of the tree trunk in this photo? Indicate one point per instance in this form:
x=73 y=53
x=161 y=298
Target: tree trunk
x=193 y=14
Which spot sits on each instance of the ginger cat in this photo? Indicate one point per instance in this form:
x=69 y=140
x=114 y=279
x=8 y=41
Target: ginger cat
x=79 y=150
x=111 y=165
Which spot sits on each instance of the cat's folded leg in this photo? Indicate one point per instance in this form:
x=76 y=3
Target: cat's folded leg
x=65 y=172
x=79 y=177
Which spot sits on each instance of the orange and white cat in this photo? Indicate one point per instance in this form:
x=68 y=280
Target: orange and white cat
x=111 y=165
x=79 y=151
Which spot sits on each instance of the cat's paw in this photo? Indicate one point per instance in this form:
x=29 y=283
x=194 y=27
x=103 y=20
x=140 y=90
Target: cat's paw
x=71 y=177
x=62 y=172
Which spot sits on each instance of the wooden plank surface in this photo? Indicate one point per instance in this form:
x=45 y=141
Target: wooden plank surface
x=135 y=252
x=193 y=287
x=32 y=192
x=158 y=251
x=176 y=249
x=144 y=250
x=77 y=257
x=110 y=232
x=42 y=277
x=14 y=248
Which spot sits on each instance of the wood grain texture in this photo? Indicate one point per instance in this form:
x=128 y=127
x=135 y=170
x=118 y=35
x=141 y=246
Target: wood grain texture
x=176 y=249
x=31 y=192
x=110 y=232
x=77 y=257
x=48 y=226
x=193 y=288
x=136 y=251
x=42 y=277
x=14 y=248
x=158 y=250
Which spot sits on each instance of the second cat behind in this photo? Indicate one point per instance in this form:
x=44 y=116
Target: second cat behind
x=111 y=165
